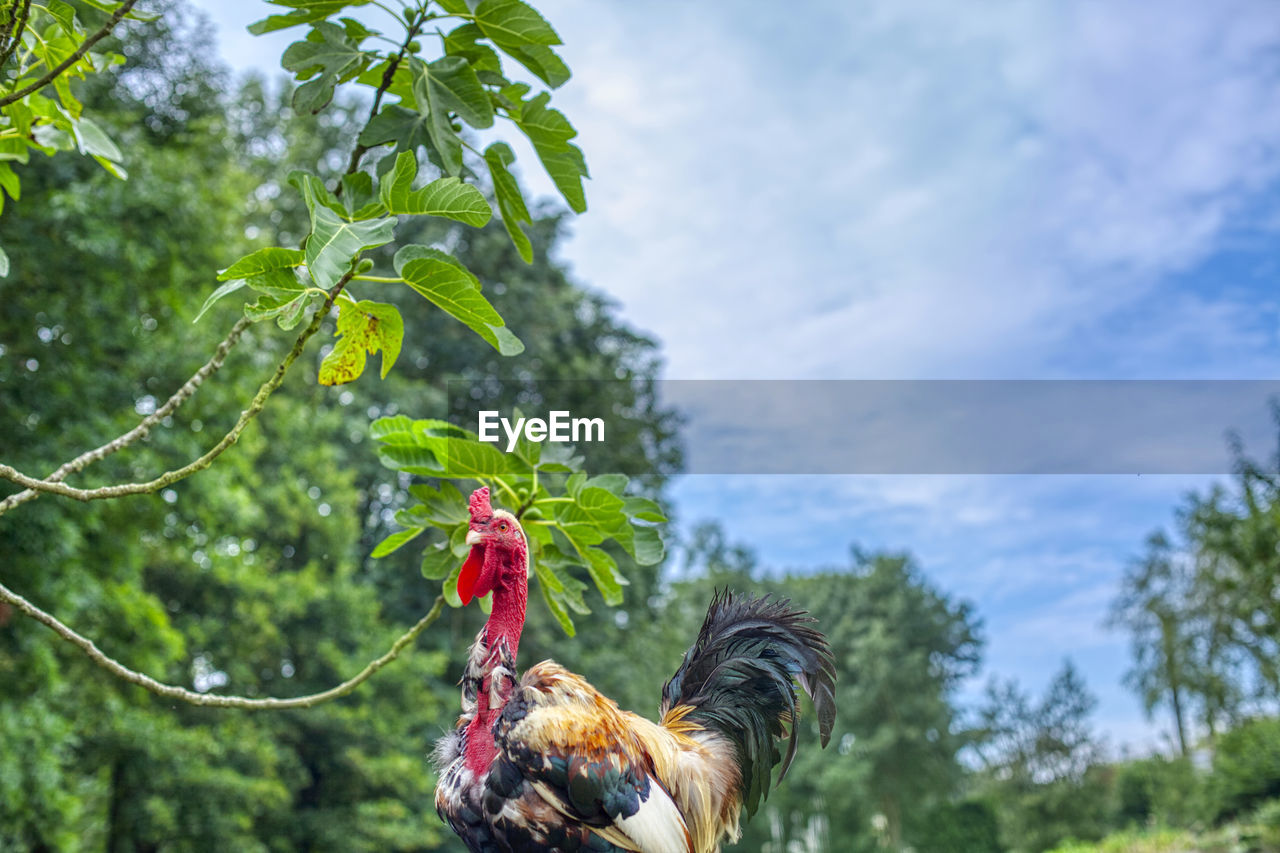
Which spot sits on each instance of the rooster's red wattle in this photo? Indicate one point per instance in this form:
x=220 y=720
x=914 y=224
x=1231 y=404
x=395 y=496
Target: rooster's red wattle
x=546 y=763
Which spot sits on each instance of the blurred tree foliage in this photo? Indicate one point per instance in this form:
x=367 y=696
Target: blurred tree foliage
x=1042 y=764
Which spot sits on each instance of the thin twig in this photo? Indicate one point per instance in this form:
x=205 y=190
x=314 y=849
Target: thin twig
x=57 y=70
x=14 y=36
x=170 y=477
x=144 y=426
x=388 y=77
x=214 y=700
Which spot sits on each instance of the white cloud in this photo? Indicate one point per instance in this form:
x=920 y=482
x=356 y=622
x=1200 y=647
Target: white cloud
x=891 y=188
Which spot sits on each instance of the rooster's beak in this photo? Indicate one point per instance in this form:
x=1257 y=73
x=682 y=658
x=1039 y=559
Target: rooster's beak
x=474 y=537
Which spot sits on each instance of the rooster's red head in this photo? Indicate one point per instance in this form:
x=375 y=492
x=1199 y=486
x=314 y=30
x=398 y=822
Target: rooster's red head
x=498 y=549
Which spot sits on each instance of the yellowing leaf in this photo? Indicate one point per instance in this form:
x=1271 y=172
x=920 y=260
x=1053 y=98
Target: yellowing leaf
x=363 y=328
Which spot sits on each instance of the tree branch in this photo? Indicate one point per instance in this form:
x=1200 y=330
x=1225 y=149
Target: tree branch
x=13 y=35
x=57 y=70
x=32 y=487
x=144 y=426
x=388 y=77
x=170 y=477
x=214 y=700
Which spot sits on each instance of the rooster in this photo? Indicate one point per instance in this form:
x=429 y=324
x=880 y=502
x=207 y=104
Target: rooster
x=546 y=763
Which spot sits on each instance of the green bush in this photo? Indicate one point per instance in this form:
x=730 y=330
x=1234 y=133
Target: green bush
x=1266 y=821
x=1159 y=790
x=970 y=825
x=1154 y=841
x=1246 y=768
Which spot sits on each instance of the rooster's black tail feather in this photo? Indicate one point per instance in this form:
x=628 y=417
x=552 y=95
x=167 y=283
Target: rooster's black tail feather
x=739 y=679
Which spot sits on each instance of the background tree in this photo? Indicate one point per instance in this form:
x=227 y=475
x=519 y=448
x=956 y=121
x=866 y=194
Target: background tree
x=1153 y=603
x=1042 y=763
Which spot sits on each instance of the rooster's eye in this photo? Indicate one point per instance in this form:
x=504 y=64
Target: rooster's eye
x=502 y=527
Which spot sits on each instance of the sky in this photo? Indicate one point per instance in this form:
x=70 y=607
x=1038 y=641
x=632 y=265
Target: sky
x=923 y=189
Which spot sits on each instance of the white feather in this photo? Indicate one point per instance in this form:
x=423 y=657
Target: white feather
x=658 y=826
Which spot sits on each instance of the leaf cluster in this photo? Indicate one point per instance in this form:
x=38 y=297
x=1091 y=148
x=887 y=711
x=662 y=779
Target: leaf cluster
x=568 y=517
x=37 y=38
x=433 y=101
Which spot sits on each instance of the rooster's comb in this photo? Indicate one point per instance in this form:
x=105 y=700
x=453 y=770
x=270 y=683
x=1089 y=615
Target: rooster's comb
x=480 y=506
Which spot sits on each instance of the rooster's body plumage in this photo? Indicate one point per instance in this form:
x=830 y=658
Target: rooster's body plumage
x=547 y=763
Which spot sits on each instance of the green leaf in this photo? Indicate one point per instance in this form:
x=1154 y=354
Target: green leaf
x=262 y=261
x=614 y=483
x=405 y=127
x=575 y=483
x=293 y=310
x=411 y=460
x=604 y=571
x=436 y=448
x=447 y=197
x=334 y=243
x=4 y=263
x=363 y=327
x=444 y=506
x=581 y=534
x=93 y=140
x=438 y=561
x=451 y=287
x=511 y=23
x=464 y=42
x=9 y=182
x=559 y=459
x=285 y=310
x=563 y=585
x=603 y=507
x=392 y=429
x=458 y=541
x=550 y=132
x=649 y=549
x=449 y=589
x=328 y=57
x=553 y=603
x=545 y=125
x=451 y=84
x=543 y=62
x=358 y=198
x=444 y=139
x=111 y=7
x=528 y=452
x=229 y=287
x=64 y=14
x=271 y=23
x=356 y=30
x=538 y=534
x=467 y=458
x=643 y=509
x=511 y=206
x=396 y=541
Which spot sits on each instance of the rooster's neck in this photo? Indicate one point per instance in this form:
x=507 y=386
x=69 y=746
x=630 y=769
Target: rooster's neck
x=506 y=618
x=501 y=637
